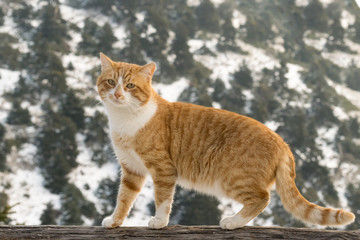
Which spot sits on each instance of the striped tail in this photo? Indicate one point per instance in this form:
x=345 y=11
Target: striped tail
x=301 y=208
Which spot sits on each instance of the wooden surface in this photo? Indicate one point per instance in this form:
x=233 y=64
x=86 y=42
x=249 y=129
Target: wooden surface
x=172 y=232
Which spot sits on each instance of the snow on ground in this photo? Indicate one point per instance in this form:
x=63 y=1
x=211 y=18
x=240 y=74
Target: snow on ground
x=238 y=18
x=225 y=64
x=27 y=194
x=347 y=19
x=342 y=59
x=8 y=81
x=294 y=79
x=171 y=92
x=351 y=95
x=317 y=41
x=89 y=174
x=331 y=157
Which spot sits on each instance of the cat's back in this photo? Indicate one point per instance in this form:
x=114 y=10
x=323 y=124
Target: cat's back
x=202 y=128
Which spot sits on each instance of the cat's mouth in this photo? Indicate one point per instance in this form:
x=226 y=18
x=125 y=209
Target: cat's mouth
x=115 y=101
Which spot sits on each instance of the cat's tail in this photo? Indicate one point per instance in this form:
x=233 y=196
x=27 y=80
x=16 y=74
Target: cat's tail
x=298 y=206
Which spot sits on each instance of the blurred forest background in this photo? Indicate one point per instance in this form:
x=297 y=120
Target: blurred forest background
x=293 y=65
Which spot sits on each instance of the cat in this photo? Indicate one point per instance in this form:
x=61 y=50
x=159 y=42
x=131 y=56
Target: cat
x=210 y=150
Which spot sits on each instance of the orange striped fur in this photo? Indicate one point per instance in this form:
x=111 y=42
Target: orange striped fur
x=210 y=150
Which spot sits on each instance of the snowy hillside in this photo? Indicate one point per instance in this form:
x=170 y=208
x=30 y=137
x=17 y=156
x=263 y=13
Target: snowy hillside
x=293 y=66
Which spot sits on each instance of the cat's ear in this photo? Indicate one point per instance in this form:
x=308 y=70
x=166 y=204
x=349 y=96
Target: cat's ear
x=149 y=70
x=106 y=62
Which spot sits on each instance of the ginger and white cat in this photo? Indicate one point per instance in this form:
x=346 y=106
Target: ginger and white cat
x=210 y=150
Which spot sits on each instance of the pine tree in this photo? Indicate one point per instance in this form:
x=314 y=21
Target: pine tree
x=191 y=208
x=5 y=209
x=49 y=215
x=107 y=193
x=22 y=17
x=335 y=41
x=132 y=52
x=219 y=90
x=353 y=196
x=4 y=149
x=352 y=74
x=184 y=61
x=72 y=108
x=52 y=29
x=207 y=16
x=263 y=103
x=243 y=76
x=315 y=16
x=18 y=115
x=106 y=38
x=74 y=206
x=57 y=149
x=89 y=44
x=356 y=29
x=1 y=16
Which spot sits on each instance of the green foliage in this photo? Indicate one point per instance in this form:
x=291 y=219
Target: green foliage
x=72 y=107
x=1 y=16
x=353 y=196
x=96 y=39
x=315 y=16
x=263 y=103
x=49 y=215
x=298 y=130
x=355 y=29
x=74 y=206
x=18 y=115
x=9 y=56
x=52 y=29
x=4 y=149
x=132 y=52
x=57 y=149
x=97 y=138
x=335 y=40
x=106 y=38
x=319 y=179
x=191 y=208
x=352 y=79
x=184 y=61
x=5 y=209
x=107 y=193
x=207 y=16
x=243 y=76
x=22 y=16
x=258 y=28
x=88 y=44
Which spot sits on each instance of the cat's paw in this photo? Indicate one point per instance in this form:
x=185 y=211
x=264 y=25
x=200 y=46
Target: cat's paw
x=109 y=222
x=233 y=222
x=157 y=223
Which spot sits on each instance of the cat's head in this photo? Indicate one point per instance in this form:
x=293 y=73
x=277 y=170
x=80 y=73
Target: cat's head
x=125 y=85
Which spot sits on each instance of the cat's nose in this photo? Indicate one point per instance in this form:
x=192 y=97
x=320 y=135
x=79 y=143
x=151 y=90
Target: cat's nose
x=117 y=95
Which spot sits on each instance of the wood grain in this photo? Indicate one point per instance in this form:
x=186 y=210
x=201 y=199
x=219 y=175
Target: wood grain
x=172 y=232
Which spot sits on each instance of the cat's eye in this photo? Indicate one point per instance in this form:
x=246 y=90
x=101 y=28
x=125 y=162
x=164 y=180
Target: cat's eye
x=111 y=82
x=130 y=85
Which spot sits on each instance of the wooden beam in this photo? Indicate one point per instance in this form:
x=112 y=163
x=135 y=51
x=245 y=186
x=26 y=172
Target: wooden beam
x=172 y=232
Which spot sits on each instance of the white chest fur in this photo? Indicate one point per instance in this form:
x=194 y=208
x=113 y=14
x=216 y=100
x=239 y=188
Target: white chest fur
x=124 y=124
x=131 y=160
x=127 y=122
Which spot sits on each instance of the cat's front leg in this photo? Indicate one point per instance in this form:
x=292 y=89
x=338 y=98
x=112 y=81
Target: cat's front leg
x=130 y=186
x=164 y=187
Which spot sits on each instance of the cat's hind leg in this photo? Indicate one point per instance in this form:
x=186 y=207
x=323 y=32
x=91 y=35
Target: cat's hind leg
x=254 y=203
x=164 y=187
